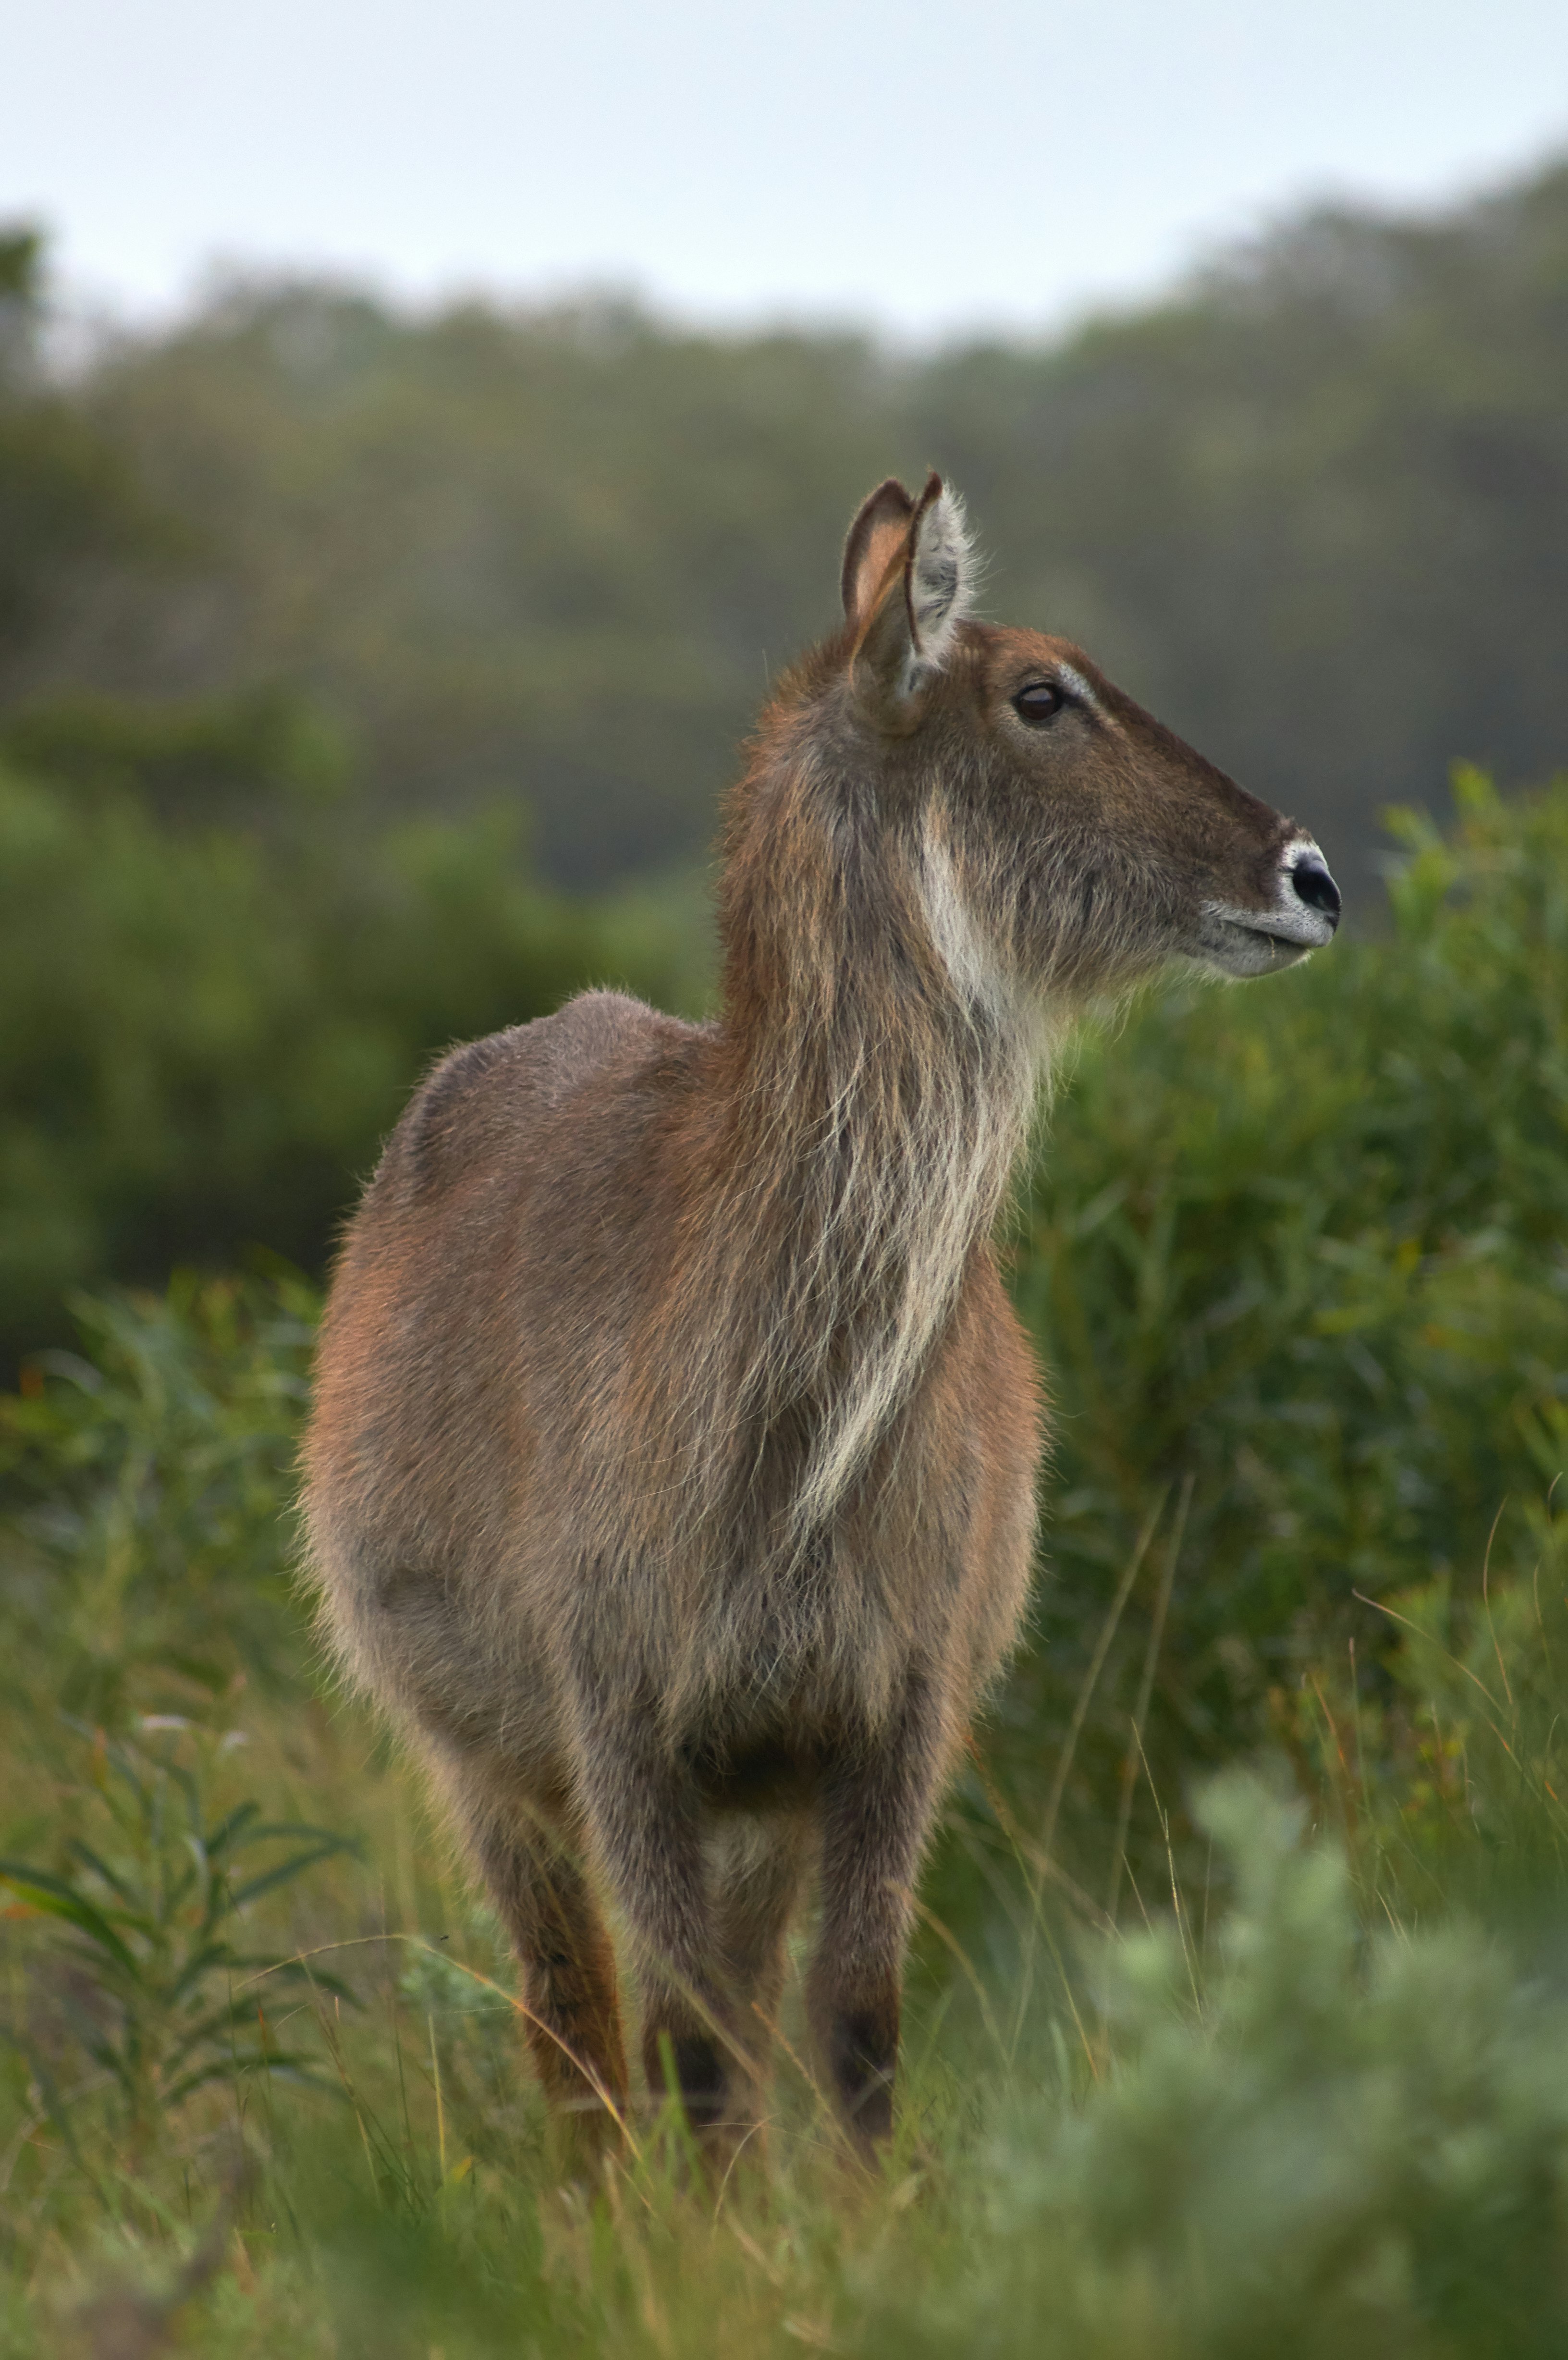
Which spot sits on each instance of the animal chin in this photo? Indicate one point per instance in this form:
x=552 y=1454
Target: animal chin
x=1239 y=947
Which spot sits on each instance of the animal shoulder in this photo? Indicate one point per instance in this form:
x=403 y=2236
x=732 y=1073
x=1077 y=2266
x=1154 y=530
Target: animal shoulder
x=601 y=1045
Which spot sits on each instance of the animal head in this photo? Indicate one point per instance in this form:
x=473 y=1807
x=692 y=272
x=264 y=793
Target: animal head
x=1056 y=834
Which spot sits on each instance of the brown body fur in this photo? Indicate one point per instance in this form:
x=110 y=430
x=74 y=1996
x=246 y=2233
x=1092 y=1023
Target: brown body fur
x=670 y=1477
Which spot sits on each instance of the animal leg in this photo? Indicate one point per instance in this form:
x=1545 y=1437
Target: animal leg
x=759 y=1872
x=573 y=2022
x=876 y=1809
x=645 y=1818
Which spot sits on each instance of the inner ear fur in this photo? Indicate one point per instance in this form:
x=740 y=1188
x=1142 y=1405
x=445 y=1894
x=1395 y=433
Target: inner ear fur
x=909 y=576
x=878 y=536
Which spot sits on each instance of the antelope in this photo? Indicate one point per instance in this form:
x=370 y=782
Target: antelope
x=670 y=1479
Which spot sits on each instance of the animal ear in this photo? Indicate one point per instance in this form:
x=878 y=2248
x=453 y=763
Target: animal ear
x=910 y=571
x=942 y=572
x=879 y=533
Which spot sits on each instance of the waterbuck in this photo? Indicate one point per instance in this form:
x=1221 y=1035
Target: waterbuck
x=671 y=1474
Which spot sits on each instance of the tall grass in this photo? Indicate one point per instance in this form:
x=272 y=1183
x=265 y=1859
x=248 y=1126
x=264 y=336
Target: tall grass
x=1239 y=2020
x=1318 y=2103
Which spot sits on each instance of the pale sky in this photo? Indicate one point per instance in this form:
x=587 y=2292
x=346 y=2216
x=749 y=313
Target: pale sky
x=930 y=168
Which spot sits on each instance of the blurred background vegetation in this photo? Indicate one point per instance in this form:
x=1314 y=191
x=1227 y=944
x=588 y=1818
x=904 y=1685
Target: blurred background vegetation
x=366 y=681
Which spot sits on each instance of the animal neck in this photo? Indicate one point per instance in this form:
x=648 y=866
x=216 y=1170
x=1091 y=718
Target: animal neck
x=880 y=1079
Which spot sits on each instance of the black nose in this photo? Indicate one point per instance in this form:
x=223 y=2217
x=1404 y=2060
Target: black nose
x=1315 y=886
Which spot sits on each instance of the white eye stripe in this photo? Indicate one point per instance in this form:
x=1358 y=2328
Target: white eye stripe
x=1075 y=684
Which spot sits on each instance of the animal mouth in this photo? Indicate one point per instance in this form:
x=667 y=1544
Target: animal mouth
x=1236 y=942
x=1304 y=917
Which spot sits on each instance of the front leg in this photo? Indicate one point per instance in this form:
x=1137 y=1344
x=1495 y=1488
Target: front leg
x=878 y=1802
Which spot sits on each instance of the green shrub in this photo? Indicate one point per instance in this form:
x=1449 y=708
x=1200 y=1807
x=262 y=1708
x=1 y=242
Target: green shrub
x=1310 y=2135
x=153 y=1992
x=1295 y=1258
x=206 y=1031
x=147 y=1479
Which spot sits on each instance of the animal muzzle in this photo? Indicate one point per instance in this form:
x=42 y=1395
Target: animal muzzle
x=1302 y=916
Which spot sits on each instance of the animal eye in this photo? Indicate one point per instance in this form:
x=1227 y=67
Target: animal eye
x=1039 y=701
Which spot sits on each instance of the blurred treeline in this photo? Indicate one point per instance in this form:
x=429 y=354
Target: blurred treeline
x=1313 y=510
x=343 y=652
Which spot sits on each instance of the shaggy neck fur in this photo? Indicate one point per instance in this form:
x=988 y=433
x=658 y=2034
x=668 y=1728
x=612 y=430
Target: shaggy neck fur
x=878 y=1078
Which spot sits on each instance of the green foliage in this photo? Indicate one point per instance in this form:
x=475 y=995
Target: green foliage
x=153 y=1991
x=1295 y=1260
x=551 y=557
x=222 y=757
x=206 y=1031
x=1444 y=1769
x=1313 y=2136
x=147 y=1477
x=21 y=251
x=1279 y=2121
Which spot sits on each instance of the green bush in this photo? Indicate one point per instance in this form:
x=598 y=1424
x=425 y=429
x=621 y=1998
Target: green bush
x=1310 y=2135
x=153 y=1991
x=147 y=1479
x=205 y=1032
x=1296 y=1259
